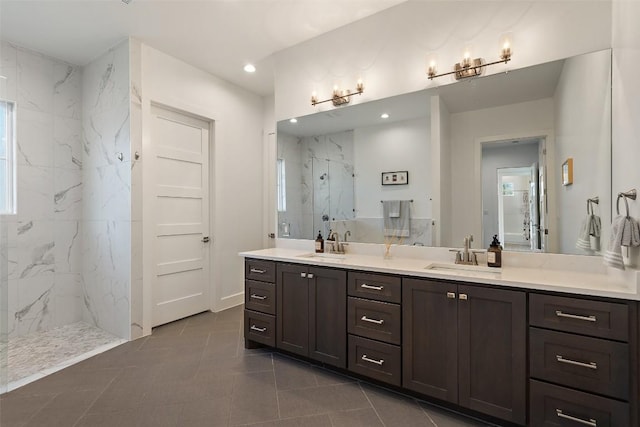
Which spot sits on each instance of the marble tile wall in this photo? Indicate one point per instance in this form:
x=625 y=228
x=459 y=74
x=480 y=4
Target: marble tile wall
x=369 y=230
x=106 y=199
x=44 y=238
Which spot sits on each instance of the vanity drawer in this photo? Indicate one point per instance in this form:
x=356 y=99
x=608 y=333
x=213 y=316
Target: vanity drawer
x=260 y=327
x=590 y=364
x=256 y=269
x=374 y=319
x=375 y=360
x=260 y=296
x=552 y=405
x=595 y=318
x=374 y=286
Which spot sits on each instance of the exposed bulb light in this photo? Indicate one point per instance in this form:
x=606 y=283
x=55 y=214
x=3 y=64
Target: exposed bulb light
x=384 y=116
x=250 y=68
x=339 y=96
x=294 y=120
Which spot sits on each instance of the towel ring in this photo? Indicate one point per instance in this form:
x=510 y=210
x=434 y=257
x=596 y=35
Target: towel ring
x=590 y=203
x=631 y=194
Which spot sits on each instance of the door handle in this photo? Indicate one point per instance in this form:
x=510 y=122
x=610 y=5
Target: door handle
x=205 y=239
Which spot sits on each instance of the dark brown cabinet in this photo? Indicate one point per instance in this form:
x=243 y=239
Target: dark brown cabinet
x=259 y=303
x=312 y=312
x=466 y=345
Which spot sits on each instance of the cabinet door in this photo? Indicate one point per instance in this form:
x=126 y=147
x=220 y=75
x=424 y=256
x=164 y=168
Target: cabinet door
x=492 y=351
x=429 y=338
x=328 y=316
x=292 y=290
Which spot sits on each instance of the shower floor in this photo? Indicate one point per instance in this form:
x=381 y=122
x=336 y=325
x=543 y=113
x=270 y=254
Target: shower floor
x=34 y=356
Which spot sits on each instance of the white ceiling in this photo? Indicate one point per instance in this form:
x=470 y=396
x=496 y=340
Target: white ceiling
x=218 y=36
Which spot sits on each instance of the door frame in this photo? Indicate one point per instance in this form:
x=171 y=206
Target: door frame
x=148 y=216
x=548 y=139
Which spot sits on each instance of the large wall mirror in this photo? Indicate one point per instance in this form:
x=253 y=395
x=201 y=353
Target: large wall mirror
x=489 y=160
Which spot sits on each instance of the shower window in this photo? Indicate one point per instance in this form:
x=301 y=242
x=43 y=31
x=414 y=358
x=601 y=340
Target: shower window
x=282 y=186
x=7 y=159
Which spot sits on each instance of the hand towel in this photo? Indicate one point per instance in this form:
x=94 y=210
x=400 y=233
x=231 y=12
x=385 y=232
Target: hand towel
x=397 y=226
x=394 y=208
x=584 y=242
x=625 y=231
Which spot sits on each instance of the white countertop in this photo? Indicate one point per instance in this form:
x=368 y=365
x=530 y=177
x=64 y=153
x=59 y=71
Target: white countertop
x=610 y=285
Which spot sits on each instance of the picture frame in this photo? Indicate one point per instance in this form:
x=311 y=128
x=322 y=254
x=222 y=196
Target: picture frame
x=567 y=172
x=395 y=178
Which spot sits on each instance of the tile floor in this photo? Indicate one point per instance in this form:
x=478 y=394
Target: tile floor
x=196 y=372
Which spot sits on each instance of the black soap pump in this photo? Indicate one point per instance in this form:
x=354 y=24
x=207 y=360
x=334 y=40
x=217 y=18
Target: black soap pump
x=494 y=253
x=319 y=243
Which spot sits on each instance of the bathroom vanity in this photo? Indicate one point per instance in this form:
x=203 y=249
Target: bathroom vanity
x=529 y=346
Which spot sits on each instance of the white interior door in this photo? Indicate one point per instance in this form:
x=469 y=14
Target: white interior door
x=181 y=250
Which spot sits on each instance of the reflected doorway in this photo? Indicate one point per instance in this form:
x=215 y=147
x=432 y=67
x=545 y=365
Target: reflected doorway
x=513 y=193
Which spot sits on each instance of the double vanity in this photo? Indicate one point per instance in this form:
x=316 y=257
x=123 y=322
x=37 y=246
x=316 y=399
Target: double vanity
x=526 y=344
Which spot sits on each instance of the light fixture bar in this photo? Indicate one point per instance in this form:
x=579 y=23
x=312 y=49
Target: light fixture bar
x=339 y=97
x=463 y=71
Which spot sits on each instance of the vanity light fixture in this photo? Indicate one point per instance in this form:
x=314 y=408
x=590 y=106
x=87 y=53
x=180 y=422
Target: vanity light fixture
x=471 y=67
x=339 y=97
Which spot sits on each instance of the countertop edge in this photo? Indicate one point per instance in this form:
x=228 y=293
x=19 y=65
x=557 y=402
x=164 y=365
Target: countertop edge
x=417 y=268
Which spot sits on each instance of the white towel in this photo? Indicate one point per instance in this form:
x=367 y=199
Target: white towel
x=397 y=226
x=589 y=237
x=393 y=207
x=625 y=231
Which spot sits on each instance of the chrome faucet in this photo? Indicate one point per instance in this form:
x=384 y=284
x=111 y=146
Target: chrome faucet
x=466 y=255
x=346 y=233
x=337 y=246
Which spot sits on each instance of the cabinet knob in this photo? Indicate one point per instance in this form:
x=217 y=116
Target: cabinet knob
x=463 y=297
x=451 y=295
x=303 y=274
x=310 y=276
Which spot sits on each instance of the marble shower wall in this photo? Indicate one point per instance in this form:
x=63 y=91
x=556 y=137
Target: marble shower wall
x=44 y=238
x=327 y=173
x=106 y=198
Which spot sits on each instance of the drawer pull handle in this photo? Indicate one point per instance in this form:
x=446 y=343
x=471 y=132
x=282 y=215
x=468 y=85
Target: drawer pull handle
x=377 y=362
x=255 y=328
x=260 y=297
x=377 y=322
x=258 y=271
x=451 y=295
x=591 y=422
x=375 y=288
x=575 y=316
x=590 y=365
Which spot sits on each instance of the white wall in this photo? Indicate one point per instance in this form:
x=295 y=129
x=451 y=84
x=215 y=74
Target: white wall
x=397 y=146
x=468 y=131
x=44 y=256
x=583 y=132
x=236 y=170
x=626 y=104
x=389 y=50
x=106 y=201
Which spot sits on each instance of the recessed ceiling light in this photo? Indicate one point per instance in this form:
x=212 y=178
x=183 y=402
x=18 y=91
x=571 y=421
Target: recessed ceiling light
x=384 y=116
x=250 y=68
x=294 y=120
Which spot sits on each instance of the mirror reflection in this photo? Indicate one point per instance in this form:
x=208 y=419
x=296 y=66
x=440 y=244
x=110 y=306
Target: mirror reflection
x=482 y=156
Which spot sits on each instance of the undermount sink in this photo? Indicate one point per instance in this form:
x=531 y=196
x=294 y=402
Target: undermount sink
x=464 y=269
x=322 y=255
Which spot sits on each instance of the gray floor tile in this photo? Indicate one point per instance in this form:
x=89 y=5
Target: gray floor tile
x=312 y=421
x=396 y=410
x=293 y=374
x=356 y=418
x=196 y=372
x=320 y=400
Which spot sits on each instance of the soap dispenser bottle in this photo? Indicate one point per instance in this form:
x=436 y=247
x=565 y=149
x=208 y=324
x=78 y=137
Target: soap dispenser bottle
x=494 y=253
x=319 y=243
